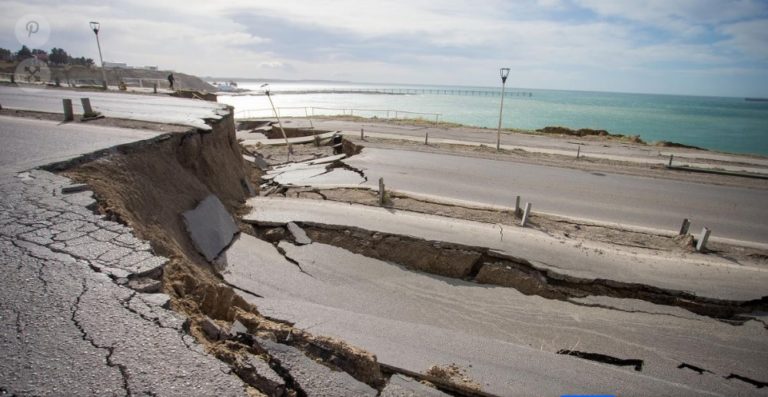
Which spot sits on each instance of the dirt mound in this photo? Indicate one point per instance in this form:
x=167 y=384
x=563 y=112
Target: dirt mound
x=583 y=132
x=677 y=145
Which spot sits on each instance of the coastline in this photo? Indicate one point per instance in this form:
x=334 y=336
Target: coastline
x=557 y=132
x=728 y=125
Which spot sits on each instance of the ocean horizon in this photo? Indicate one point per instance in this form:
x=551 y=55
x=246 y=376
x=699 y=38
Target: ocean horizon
x=725 y=124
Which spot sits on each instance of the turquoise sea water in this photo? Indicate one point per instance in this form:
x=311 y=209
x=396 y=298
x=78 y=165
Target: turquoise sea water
x=722 y=124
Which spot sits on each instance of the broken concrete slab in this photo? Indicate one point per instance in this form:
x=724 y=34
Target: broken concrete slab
x=279 y=142
x=210 y=227
x=238 y=328
x=326 y=159
x=145 y=285
x=156 y=299
x=312 y=377
x=299 y=235
x=74 y=188
x=403 y=386
x=258 y=161
x=581 y=259
x=257 y=373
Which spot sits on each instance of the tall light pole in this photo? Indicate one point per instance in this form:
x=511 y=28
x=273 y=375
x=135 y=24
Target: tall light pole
x=279 y=124
x=504 y=73
x=95 y=27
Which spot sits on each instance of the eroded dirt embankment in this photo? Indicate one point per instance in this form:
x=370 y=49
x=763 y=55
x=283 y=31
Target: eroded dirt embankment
x=148 y=186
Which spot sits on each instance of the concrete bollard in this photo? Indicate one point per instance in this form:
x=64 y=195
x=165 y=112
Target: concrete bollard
x=517 y=207
x=426 y=138
x=684 y=227
x=69 y=114
x=526 y=213
x=87 y=110
x=381 y=191
x=701 y=246
x=671 y=156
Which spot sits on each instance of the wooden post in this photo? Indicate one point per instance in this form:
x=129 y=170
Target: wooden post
x=362 y=134
x=526 y=214
x=154 y=87
x=518 y=212
x=671 y=156
x=578 y=151
x=684 y=227
x=702 y=244
x=381 y=191
x=69 y=114
x=426 y=138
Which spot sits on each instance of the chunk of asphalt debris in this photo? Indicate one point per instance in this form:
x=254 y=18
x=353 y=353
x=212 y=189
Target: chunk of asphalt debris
x=238 y=328
x=275 y=234
x=213 y=330
x=157 y=299
x=314 y=378
x=145 y=284
x=260 y=163
x=257 y=373
x=403 y=386
x=76 y=188
x=299 y=235
x=210 y=227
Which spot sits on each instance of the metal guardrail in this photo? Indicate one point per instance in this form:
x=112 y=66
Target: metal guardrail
x=312 y=111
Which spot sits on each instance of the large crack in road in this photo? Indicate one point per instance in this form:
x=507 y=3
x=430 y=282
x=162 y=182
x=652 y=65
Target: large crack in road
x=485 y=266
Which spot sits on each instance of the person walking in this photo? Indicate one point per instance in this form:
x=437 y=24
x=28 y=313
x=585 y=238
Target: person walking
x=171 y=79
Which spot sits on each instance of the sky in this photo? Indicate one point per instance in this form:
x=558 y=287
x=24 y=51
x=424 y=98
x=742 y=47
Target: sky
x=690 y=47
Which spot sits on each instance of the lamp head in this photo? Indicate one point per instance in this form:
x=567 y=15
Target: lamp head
x=504 y=72
x=95 y=27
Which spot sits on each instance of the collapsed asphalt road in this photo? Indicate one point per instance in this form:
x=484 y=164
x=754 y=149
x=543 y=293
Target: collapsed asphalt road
x=508 y=343
x=79 y=300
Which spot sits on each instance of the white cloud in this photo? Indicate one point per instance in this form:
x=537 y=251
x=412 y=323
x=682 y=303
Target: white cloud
x=446 y=41
x=750 y=38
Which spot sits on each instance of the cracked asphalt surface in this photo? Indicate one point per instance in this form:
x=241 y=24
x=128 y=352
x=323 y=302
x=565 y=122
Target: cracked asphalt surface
x=506 y=341
x=71 y=325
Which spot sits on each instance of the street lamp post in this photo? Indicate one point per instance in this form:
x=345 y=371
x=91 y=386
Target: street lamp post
x=279 y=123
x=504 y=73
x=95 y=26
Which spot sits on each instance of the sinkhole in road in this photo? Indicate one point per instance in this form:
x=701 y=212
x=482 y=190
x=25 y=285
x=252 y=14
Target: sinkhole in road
x=485 y=266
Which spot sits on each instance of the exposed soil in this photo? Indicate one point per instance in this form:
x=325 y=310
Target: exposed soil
x=148 y=186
